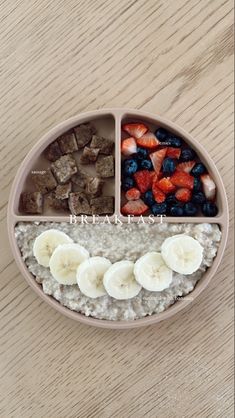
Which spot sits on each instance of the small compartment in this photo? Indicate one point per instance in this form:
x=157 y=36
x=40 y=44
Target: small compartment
x=156 y=171
x=72 y=172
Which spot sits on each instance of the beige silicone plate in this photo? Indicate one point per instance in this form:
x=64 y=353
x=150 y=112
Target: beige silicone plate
x=108 y=123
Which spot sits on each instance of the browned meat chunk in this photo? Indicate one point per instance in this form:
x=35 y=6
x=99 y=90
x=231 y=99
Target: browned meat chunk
x=56 y=204
x=102 y=205
x=79 y=204
x=79 y=179
x=64 y=168
x=105 y=166
x=94 y=186
x=31 y=202
x=105 y=145
x=43 y=180
x=89 y=155
x=83 y=134
x=53 y=151
x=62 y=191
x=67 y=142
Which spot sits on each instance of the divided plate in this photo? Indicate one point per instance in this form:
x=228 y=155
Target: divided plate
x=108 y=123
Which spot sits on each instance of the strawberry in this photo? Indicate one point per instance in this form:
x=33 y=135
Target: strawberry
x=135 y=129
x=158 y=194
x=165 y=185
x=134 y=207
x=208 y=186
x=157 y=158
x=183 y=195
x=132 y=194
x=143 y=179
x=128 y=146
x=155 y=177
x=148 y=140
x=186 y=167
x=173 y=152
x=182 y=179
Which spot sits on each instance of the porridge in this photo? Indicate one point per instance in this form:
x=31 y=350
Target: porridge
x=118 y=243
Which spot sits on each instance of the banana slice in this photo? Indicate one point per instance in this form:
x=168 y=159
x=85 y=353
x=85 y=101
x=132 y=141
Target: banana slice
x=90 y=276
x=182 y=253
x=152 y=273
x=119 y=280
x=45 y=244
x=65 y=260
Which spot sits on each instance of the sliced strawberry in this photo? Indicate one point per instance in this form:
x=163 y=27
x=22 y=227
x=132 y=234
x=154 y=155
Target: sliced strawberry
x=148 y=140
x=158 y=194
x=135 y=129
x=186 y=167
x=182 y=179
x=173 y=152
x=143 y=179
x=132 y=194
x=209 y=186
x=134 y=207
x=183 y=195
x=128 y=146
x=157 y=158
x=165 y=185
x=155 y=177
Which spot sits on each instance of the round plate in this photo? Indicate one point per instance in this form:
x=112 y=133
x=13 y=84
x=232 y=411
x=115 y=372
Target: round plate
x=110 y=121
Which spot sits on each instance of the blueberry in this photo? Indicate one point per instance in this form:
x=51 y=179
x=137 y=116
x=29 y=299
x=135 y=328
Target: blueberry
x=145 y=165
x=198 y=198
x=159 y=209
x=142 y=153
x=130 y=166
x=161 y=134
x=176 y=210
x=168 y=166
x=174 y=141
x=127 y=183
x=148 y=198
x=209 y=209
x=197 y=185
x=171 y=199
x=190 y=209
x=198 y=169
x=187 y=154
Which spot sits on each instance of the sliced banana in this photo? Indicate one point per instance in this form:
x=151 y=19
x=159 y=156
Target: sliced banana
x=152 y=273
x=119 y=280
x=90 y=276
x=64 y=262
x=45 y=244
x=182 y=253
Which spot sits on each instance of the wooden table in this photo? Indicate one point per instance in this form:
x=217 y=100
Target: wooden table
x=59 y=58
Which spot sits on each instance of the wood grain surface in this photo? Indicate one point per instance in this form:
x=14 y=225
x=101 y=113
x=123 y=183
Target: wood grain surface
x=59 y=58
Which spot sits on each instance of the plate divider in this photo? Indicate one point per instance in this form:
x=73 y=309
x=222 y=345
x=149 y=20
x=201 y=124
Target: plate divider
x=124 y=219
x=118 y=118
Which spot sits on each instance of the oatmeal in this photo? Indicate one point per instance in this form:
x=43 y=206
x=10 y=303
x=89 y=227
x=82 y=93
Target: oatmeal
x=116 y=243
